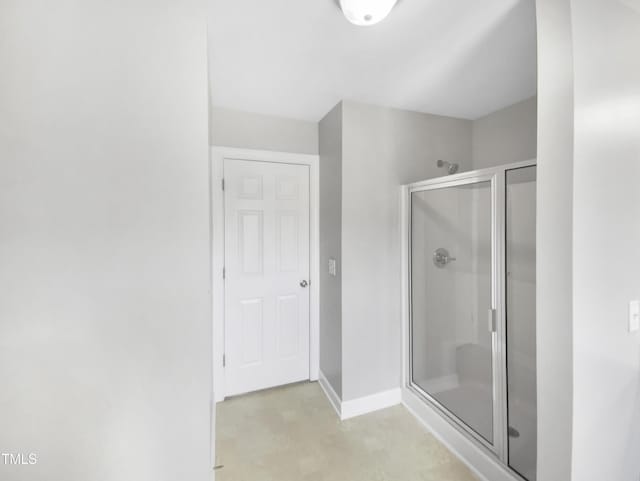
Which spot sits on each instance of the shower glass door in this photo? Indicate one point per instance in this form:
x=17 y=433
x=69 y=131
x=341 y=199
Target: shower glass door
x=452 y=288
x=520 y=248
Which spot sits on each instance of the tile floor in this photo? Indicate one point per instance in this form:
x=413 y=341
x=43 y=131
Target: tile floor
x=293 y=434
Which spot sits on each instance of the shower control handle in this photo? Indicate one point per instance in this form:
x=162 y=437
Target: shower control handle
x=441 y=257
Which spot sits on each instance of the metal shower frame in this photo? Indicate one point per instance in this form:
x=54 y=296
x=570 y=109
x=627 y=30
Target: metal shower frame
x=497 y=178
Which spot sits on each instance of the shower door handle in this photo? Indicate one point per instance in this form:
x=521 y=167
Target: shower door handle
x=492 y=320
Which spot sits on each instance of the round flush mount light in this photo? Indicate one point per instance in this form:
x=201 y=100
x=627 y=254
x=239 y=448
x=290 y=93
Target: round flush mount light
x=366 y=12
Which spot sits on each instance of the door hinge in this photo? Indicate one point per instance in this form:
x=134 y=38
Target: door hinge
x=224 y=272
x=224 y=360
x=222 y=184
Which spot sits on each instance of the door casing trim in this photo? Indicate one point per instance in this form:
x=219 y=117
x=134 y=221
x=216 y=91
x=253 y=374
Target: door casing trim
x=216 y=173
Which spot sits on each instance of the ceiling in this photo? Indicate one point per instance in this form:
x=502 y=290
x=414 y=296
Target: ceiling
x=298 y=58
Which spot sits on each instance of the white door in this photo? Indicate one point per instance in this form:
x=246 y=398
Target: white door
x=266 y=274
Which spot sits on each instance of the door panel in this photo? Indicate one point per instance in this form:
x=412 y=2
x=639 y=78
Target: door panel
x=288 y=332
x=251 y=241
x=451 y=295
x=266 y=258
x=287 y=232
x=252 y=331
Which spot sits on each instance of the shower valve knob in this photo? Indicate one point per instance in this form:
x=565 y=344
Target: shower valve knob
x=441 y=257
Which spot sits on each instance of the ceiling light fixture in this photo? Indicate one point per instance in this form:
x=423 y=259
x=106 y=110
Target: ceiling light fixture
x=366 y=12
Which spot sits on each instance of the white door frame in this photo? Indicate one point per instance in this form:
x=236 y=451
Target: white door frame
x=218 y=154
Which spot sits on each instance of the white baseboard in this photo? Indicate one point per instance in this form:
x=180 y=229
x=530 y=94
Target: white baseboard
x=371 y=403
x=332 y=396
x=485 y=466
x=359 y=406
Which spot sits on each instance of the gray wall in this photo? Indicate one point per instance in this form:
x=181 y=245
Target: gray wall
x=606 y=357
x=554 y=332
x=232 y=128
x=382 y=149
x=508 y=135
x=105 y=332
x=330 y=247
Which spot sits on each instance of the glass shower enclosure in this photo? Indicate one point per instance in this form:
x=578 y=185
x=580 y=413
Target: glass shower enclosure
x=471 y=346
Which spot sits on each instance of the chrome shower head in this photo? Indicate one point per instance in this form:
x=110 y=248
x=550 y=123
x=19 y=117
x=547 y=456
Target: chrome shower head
x=451 y=167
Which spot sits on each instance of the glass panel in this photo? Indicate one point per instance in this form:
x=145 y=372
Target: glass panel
x=451 y=295
x=521 y=319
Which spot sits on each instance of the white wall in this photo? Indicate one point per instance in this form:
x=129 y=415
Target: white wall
x=331 y=247
x=606 y=362
x=554 y=240
x=105 y=337
x=232 y=128
x=506 y=136
x=382 y=149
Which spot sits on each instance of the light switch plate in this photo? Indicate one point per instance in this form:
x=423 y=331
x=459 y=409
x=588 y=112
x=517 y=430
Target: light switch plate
x=332 y=267
x=634 y=316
